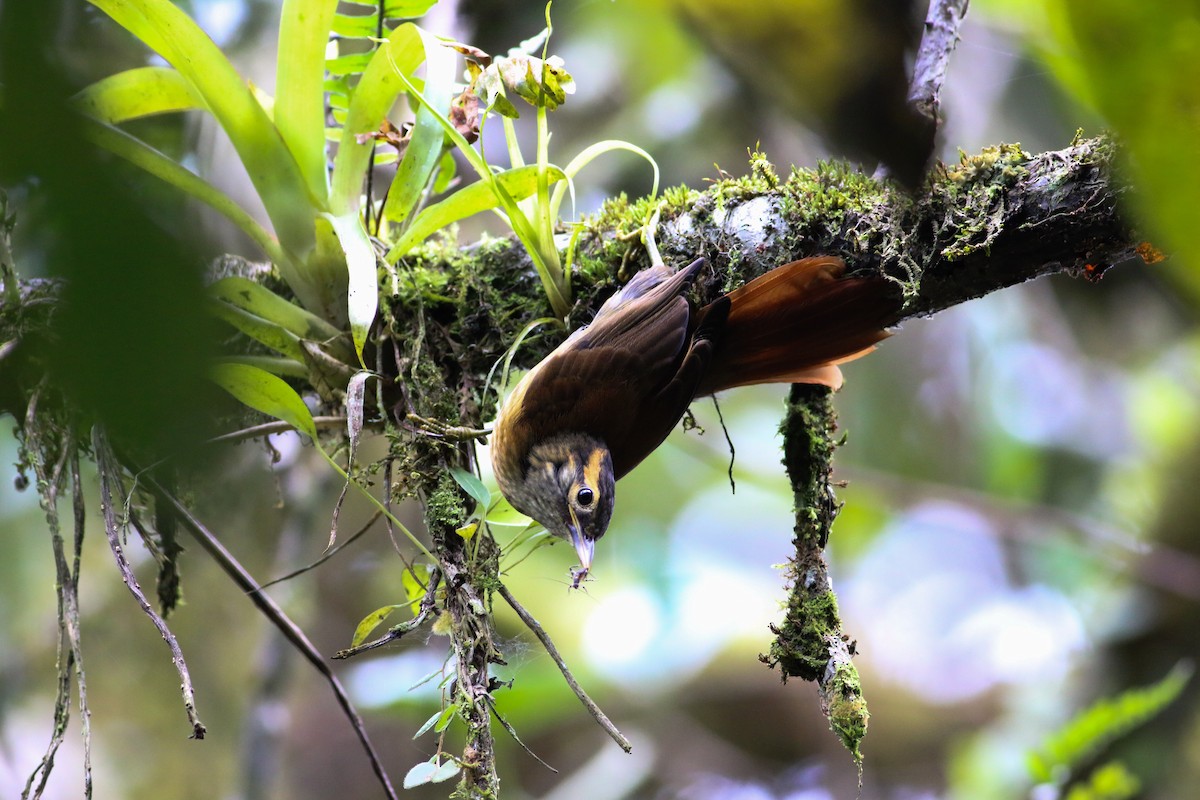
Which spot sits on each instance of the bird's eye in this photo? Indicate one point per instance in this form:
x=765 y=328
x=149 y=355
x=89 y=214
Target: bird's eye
x=585 y=496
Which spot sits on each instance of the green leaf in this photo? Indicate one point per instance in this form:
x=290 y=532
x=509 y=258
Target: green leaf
x=262 y=302
x=428 y=724
x=142 y=155
x=427 y=143
x=370 y=622
x=415 y=582
x=137 y=93
x=260 y=330
x=445 y=718
x=356 y=26
x=284 y=367
x=1111 y=781
x=587 y=156
x=362 y=264
x=352 y=64
x=299 y=81
x=373 y=97
x=447 y=171
x=1138 y=66
x=407 y=9
x=472 y=486
x=479 y=196
x=446 y=771
x=274 y=172
x=1106 y=721
x=420 y=774
x=264 y=392
x=503 y=513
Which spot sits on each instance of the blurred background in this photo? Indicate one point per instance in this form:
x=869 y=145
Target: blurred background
x=1019 y=533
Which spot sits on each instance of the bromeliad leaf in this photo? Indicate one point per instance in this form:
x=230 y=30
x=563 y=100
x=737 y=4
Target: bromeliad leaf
x=361 y=263
x=370 y=102
x=137 y=152
x=256 y=299
x=137 y=93
x=273 y=170
x=479 y=196
x=260 y=330
x=427 y=142
x=264 y=392
x=299 y=110
x=589 y=154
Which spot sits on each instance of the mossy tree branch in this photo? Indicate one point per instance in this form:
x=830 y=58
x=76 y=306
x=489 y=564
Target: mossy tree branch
x=993 y=220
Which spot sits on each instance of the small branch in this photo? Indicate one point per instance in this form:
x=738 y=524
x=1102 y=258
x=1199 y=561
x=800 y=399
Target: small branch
x=728 y=441
x=938 y=41
x=428 y=602
x=593 y=709
x=513 y=733
x=268 y=428
x=328 y=554
x=109 y=479
x=280 y=620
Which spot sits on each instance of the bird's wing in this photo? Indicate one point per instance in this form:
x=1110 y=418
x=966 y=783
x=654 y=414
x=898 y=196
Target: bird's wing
x=626 y=379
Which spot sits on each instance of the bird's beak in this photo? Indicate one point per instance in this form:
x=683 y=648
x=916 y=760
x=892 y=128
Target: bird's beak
x=584 y=546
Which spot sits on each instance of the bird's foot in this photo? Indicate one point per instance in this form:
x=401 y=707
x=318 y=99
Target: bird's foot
x=436 y=429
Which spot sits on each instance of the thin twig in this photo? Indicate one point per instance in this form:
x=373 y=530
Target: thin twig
x=109 y=475
x=387 y=521
x=280 y=620
x=513 y=732
x=728 y=441
x=593 y=709
x=428 y=601
x=933 y=54
x=328 y=554
x=267 y=428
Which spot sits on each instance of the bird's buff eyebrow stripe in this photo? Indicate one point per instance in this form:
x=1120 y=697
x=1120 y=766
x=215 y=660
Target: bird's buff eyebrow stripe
x=591 y=472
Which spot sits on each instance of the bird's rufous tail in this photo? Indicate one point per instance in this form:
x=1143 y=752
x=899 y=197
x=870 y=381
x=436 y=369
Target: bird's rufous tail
x=796 y=323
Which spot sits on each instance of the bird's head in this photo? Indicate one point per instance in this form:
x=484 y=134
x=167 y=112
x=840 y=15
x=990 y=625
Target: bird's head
x=569 y=488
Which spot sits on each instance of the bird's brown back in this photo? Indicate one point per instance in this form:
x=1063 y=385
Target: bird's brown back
x=629 y=377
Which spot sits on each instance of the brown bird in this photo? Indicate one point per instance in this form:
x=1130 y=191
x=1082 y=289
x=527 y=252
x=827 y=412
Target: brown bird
x=605 y=398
